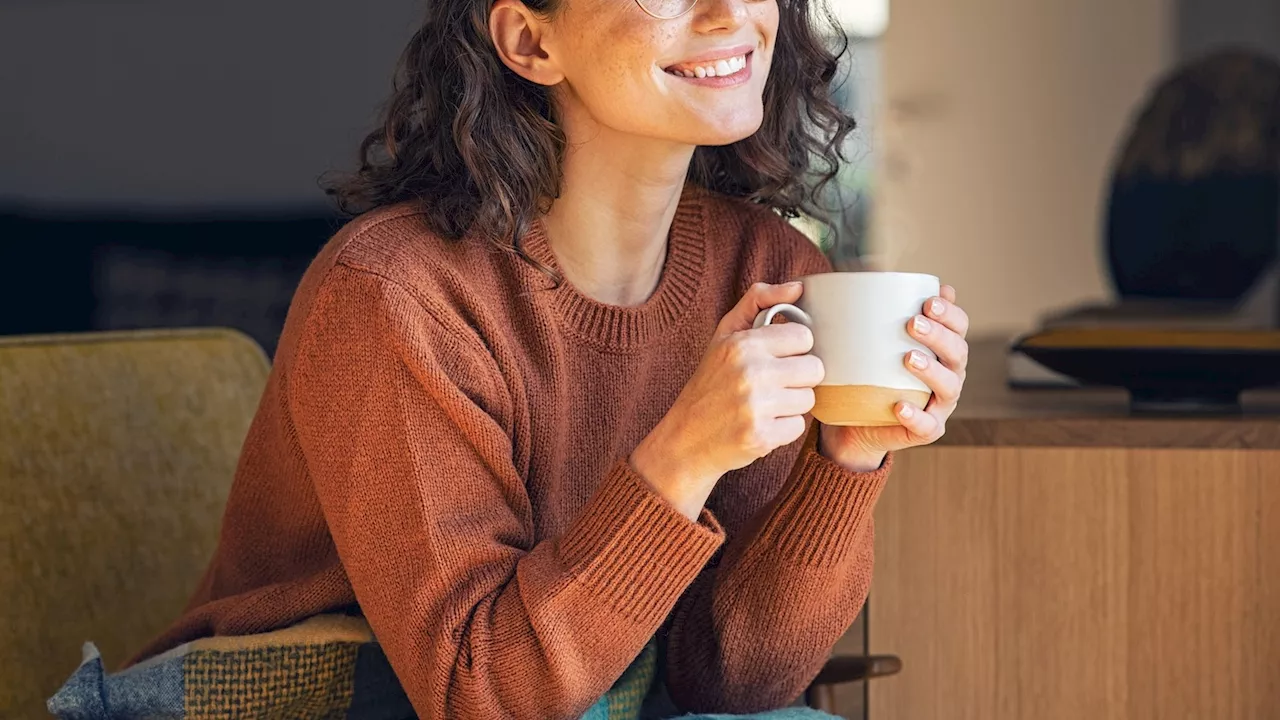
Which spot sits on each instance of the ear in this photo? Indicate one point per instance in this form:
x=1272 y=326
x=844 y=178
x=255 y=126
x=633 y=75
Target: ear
x=518 y=35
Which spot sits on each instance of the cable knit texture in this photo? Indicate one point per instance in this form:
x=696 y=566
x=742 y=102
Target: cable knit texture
x=444 y=442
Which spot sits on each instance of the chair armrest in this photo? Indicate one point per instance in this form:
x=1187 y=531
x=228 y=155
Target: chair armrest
x=849 y=668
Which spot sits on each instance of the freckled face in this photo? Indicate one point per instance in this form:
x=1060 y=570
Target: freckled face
x=697 y=79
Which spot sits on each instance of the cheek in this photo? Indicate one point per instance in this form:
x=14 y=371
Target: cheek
x=613 y=78
x=615 y=74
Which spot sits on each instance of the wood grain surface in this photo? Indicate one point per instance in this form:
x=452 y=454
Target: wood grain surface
x=1065 y=582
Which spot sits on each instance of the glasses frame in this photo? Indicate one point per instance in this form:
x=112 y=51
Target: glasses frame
x=655 y=16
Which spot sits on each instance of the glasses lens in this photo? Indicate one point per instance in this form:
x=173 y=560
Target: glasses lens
x=666 y=9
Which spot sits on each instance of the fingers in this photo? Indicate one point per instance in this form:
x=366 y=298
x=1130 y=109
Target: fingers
x=946 y=312
x=948 y=345
x=942 y=380
x=782 y=340
x=789 y=429
x=793 y=401
x=801 y=371
x=923 y=427
x=759 y=296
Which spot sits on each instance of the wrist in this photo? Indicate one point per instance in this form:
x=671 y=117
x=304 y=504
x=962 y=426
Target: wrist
x=672 y=476
x=850 y=456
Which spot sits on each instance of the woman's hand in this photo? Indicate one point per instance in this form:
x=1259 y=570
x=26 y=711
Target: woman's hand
x=942 y=329
x=748 y=397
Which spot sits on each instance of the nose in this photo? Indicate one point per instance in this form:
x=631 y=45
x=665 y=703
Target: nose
x=712 y=16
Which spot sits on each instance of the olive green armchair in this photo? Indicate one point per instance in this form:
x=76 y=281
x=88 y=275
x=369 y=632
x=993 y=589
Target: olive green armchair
x=109 y=441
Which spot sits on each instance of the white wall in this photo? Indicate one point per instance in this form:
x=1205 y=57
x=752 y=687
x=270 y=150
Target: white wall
x=1000 y=121
x=205 y=104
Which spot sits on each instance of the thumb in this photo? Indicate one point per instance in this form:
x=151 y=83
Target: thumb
x=760 y=296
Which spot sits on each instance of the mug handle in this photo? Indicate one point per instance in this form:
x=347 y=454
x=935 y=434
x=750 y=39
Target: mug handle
x=790 y=312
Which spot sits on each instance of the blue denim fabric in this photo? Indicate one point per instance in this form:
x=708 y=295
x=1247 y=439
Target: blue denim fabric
x=152 y=690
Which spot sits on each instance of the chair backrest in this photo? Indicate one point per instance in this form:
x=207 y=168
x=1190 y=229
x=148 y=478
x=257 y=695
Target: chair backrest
x=117 y=452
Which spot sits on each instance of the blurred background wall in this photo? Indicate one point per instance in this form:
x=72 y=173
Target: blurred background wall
x=998 y=126
x=135 y=134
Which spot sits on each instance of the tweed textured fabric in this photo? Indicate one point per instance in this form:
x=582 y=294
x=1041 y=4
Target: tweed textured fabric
x=329 y=667
x=318 y=679
x=444 y=442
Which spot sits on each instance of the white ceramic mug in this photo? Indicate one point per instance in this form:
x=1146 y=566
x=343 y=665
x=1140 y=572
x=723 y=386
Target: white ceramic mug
x=859 y=323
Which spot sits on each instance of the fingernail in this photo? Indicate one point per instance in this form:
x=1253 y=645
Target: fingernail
x=936 y=308
x=921 y=325
x=918 y=360
x=794 y=284
x=906 y=411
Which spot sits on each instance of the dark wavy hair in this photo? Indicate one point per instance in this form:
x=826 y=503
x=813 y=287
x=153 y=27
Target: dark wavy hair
x=479 y=145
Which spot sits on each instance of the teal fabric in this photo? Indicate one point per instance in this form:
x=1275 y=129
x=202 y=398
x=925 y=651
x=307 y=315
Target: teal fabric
x=785 y=714
x=626 y=698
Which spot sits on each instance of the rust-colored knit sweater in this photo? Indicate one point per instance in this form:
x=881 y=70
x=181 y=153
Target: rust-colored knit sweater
x=444 y=441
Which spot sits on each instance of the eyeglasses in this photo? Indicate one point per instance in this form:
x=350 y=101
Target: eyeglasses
x=666 y=9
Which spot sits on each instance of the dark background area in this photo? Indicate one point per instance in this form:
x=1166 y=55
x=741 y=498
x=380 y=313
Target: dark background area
x=160 y=162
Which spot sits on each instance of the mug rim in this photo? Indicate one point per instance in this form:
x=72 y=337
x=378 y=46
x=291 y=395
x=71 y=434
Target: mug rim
x=869 y=272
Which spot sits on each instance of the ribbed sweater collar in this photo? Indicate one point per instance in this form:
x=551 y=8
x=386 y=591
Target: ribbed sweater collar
x=629 y=328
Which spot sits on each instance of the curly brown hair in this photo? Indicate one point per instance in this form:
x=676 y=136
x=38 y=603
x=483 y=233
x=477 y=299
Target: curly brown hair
x=481 y=147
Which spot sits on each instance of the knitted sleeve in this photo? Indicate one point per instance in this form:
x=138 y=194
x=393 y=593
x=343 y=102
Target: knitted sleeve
x=754 y=630
x=435 y=529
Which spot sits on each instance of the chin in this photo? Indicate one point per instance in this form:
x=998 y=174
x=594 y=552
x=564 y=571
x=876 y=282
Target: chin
x=726 y=130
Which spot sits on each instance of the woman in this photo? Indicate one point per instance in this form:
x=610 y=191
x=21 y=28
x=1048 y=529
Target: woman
x=518 y=415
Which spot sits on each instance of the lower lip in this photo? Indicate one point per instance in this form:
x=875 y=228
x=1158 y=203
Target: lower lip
x=733 y=80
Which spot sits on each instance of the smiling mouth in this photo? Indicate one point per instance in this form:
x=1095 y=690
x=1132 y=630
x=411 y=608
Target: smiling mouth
x=724 y=67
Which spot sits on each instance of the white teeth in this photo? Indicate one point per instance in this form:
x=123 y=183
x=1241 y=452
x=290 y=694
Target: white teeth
x=719 y=68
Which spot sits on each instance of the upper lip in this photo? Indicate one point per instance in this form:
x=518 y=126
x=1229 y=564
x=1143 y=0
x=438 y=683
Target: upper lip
x=713 y=55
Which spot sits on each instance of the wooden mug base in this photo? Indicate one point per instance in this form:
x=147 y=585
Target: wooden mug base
x=862 y=405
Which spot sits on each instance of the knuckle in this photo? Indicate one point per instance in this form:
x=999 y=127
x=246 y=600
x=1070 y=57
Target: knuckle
x=803 y=335
x=806 y=341
x=817 y=369
x=809 y=399
x=751 y=380
x=737 y=349
x=755 y=436
x=750 y=373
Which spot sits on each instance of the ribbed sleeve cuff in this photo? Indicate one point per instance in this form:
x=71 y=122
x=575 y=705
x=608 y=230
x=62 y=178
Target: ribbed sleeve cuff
x=822 y=509
x=635 y=549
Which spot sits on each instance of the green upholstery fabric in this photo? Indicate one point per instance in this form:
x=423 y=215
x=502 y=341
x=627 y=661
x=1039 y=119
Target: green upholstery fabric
x=117 y=452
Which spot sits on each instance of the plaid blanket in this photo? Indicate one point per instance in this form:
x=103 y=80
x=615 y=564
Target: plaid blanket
x=328 y=667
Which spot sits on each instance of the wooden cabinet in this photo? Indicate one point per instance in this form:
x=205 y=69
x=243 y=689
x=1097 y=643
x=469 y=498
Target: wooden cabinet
x=1054 y=557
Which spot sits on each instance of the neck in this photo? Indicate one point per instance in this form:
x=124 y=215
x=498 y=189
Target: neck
x=609 y=226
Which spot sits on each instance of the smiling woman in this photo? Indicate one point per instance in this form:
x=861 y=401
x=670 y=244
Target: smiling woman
x=486 y=138
x=519 y=419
